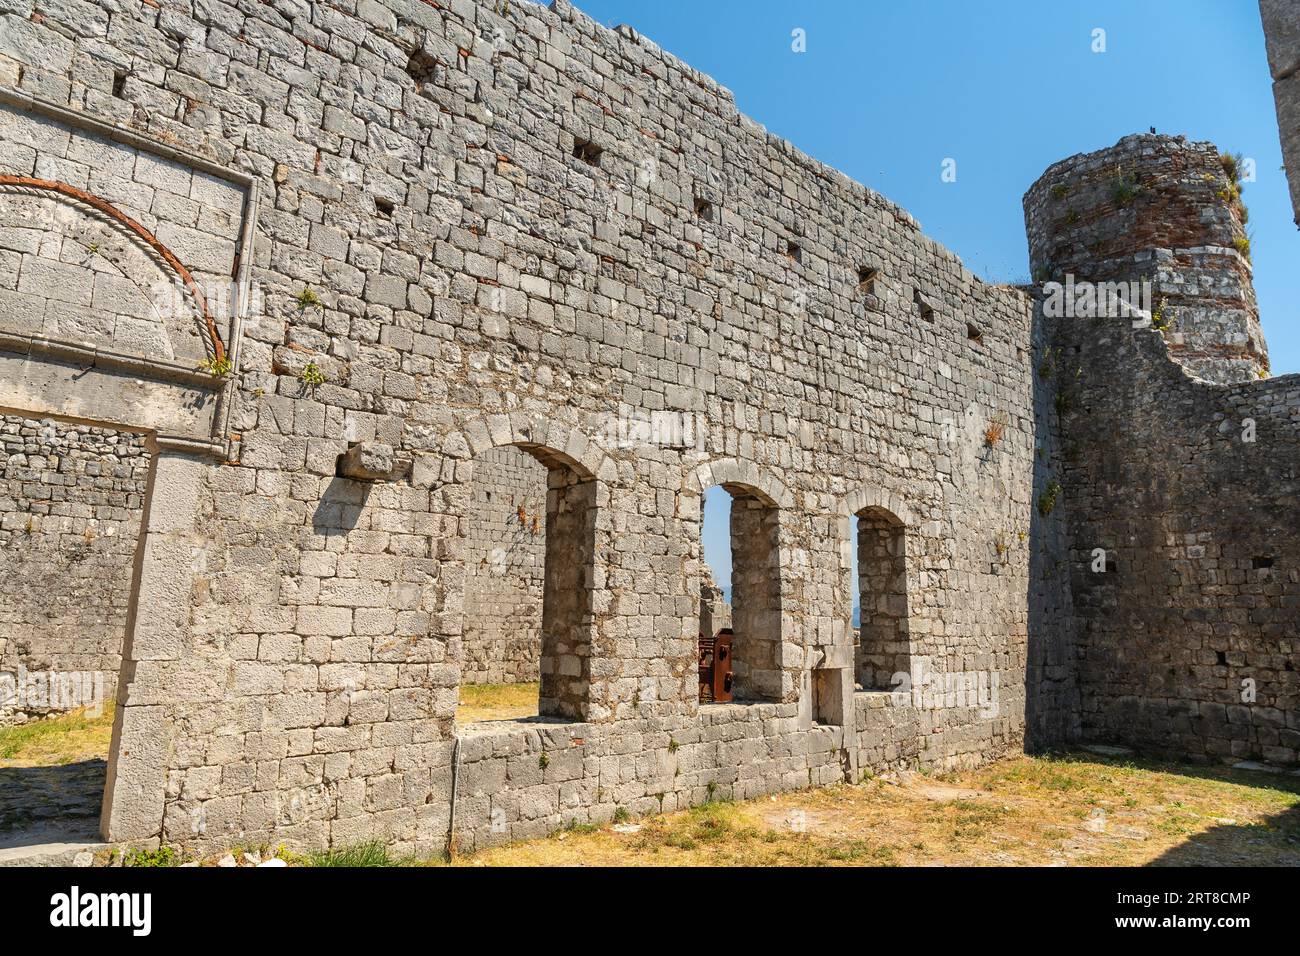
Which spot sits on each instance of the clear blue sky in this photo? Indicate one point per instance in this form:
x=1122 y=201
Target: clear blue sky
x=887 y=91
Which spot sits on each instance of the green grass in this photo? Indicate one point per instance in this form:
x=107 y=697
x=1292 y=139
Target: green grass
x=59 y=740
x=372 y=853
x=163 y=856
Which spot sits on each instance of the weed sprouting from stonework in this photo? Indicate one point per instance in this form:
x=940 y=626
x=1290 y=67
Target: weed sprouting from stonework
x=163 y=856
x=995 y=428
x=217 y=367
x=1162 y=317
x=311 y=375
x=1124 y=187
x=1050 y=357
x=1047 y=500
x=543 y=761
x=308 y=299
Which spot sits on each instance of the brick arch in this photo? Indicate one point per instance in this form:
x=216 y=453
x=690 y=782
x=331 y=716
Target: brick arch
x=550 y=442
x=734 y=473
x=104 y=210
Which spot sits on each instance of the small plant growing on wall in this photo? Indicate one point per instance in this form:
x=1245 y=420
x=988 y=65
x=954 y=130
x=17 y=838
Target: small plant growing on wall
x=993 y=431
x=1060 y=191
x=1047 y=500
x=1050 y=357
x=308 y=299
x=311 y=375
x=217 y=367
x=1162 y=317
x=1242 y=245
x=1124 y=187
x=1001 y=546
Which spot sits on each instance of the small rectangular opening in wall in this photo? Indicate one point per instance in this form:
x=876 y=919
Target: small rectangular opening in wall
x=119 y=83
x=587 y=151
x=793 y=251
x=828 y=696
x=974 y=334
x=923 y=308
x=867 y=280
x=384 y=208
x=1221 y=658
x=703 y=209
x=1261 y=562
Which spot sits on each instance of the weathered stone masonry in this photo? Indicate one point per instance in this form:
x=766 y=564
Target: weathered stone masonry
x=1179 y=465
x=70 y=501
x=471 y=231
x=505 y=533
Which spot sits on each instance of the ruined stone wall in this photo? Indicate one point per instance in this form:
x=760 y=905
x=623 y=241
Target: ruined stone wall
x=1176 y=464
x=1281 y=21
x=1186 y=641
x=504 y=558
x=715 y=611
x=1166 y=211
x=70 y=502
x=482 y=229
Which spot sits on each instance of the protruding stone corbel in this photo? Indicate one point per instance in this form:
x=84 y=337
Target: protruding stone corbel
x=373 y=461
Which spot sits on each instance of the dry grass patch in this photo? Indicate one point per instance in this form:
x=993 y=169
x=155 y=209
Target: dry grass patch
x=1074 y=809
x=54 y=741
x=496 y=702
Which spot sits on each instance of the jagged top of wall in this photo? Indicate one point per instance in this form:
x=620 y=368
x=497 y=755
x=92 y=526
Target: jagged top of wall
x=1133 y=143
x=701 y=89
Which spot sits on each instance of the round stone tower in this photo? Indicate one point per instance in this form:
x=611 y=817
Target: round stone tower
x=1165 y=217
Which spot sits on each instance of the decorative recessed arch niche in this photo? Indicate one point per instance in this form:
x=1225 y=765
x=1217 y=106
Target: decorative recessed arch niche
x=87 y=274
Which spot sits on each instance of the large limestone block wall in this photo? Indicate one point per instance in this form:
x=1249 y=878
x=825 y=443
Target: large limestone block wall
x=70 y=503
x=1165 y=211
x=1281 y=21
x=1186 y=638
x=482 y=229
x=504 y=561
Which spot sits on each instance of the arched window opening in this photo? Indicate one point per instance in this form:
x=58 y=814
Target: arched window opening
x=529 y=536
x=880 y=600
x=742 y=585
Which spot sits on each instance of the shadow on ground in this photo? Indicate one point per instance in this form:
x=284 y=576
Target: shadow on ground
x=1273 y=840
x=69 y=795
